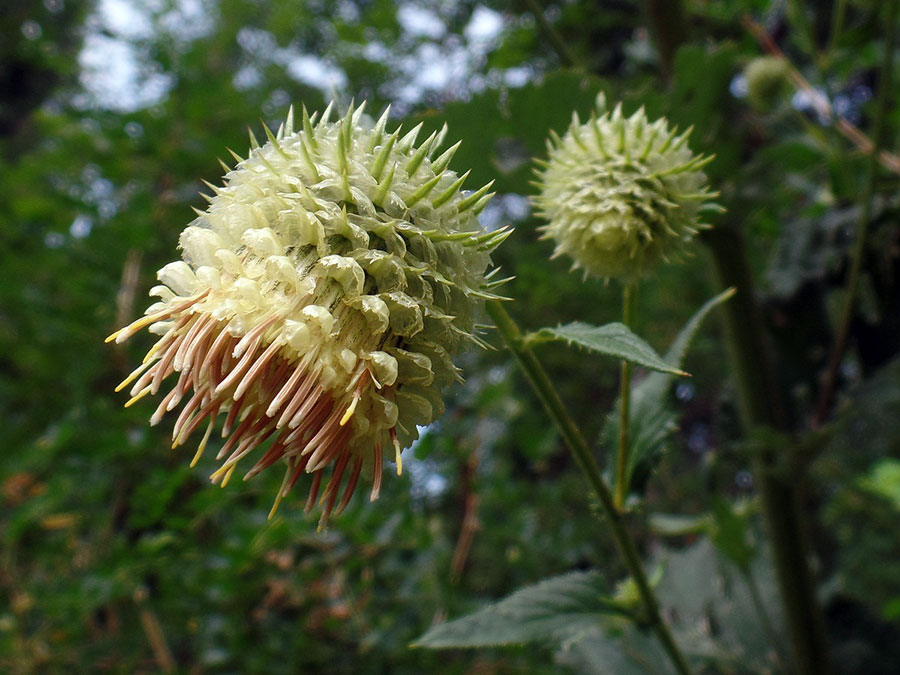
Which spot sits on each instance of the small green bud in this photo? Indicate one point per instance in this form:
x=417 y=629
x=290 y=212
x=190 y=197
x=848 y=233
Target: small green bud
x=767 y=81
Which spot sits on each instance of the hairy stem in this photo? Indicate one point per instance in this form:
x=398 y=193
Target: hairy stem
x=622 y=473
x=576 y=444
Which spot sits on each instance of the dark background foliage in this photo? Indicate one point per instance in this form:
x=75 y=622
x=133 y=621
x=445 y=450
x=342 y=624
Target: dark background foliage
x=117 y=557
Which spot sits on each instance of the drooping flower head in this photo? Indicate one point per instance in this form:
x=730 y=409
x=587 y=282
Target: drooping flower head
x=620 y=193
x=318 y=304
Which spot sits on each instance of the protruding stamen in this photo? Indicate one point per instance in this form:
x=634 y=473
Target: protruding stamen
x=313 y=491
x=204 y=441
x=137 y=371
x=257 y=368
x=351 y=485
x=376 y=473
x=280 y=494
x=286 y=391
x=349 y=413
x=137 y=397
x=124 y=333
x=397 y=458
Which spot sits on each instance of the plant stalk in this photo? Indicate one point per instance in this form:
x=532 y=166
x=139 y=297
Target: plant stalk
x=576 y=444
x=761 y=405
x=557 y=42
x=667 y=21
x=829 y=379
x=622 y=474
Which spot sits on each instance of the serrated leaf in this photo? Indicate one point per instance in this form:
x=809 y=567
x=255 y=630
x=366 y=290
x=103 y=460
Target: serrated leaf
x=553 y=611
x=651 y=420
x=679 y=347
x=612 y=339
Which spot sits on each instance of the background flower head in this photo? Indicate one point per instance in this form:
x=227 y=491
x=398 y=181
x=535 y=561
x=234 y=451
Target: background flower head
x=620 y=193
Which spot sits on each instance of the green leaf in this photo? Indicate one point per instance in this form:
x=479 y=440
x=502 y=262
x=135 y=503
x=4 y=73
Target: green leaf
x=679 y=347
x=884 y=480
x=678 y=525
x=613 y=339
x=726 y=524
x=715 y=615
x=553 y=611
x=730 y=533
x=630 y=652
x=652 y=420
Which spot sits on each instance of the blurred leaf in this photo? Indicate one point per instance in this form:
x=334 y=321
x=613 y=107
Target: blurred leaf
x=884 y=480
x=628 y=652
x=730 y=532
x=552 y=611
x=727 y=525
x=613 y=339
x=715 y=614
x=676 y=525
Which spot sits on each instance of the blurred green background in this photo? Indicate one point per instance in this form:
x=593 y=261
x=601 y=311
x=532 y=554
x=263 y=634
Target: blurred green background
x=116 y=557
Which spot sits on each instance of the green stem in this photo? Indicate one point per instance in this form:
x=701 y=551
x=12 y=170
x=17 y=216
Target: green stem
x=667 y=22
x=840 y=343
x=837 y=26
x=573 y=439
x=761 y=405
x=622 y=474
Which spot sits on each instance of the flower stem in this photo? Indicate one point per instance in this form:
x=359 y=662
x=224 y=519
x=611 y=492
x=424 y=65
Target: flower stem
x=573 y=439
x=622 y=474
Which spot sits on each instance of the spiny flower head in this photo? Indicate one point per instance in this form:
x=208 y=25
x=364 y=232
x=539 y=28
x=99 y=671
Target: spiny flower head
x=620 y=192
x=318 y=304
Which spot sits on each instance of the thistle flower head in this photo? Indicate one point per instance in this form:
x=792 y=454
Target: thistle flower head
x=620 y=192
x=320 y=298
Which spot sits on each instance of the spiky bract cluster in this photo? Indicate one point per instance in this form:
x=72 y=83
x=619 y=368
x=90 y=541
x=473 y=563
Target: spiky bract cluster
x=620 y=193
x=320 y=299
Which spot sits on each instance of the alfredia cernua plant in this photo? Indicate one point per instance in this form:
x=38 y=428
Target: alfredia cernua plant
x=620 y=192
x=321 y=297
